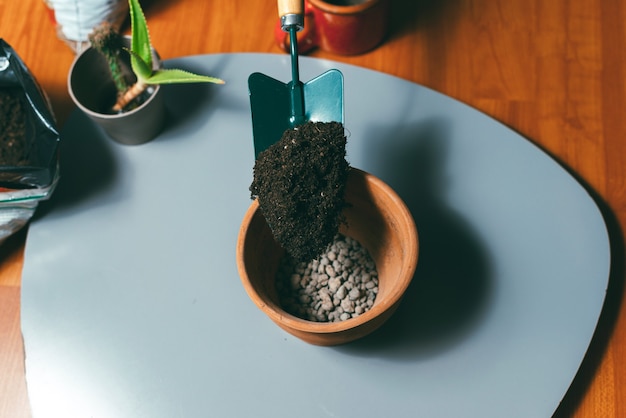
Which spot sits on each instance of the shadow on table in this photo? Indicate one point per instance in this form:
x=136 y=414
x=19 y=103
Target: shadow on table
x=87 y=165
x=185 y=102
x=452 y=282
x=608 y=316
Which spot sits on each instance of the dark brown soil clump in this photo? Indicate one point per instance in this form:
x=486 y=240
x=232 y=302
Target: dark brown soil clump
x=13 y=145
x=300 y=183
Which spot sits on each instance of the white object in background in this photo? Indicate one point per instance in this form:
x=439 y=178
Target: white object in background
x=75 y=19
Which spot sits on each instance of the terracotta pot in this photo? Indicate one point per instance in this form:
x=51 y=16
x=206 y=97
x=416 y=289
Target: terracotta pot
x=93 y=91
x=378 y=219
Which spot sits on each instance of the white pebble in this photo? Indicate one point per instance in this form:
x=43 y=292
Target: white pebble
x=330 y=270
x=341 y=292
x=347 y=305
x=295 y=281
x=333 y=284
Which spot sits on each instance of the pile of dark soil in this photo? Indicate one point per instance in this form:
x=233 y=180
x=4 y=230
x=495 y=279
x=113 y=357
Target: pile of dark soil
x=14 y=149
x=300 y=183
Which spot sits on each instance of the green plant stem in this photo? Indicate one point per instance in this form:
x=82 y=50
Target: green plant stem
x=106 y=40
x=129 y=95
x=116 y=72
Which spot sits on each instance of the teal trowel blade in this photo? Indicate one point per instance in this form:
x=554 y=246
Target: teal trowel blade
x=323 y=97
x=271 y=111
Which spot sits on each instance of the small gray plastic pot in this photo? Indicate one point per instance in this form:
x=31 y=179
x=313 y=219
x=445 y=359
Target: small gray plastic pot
x=92 y=89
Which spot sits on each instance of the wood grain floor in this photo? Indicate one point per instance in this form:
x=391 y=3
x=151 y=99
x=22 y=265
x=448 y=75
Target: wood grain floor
x=554 y=71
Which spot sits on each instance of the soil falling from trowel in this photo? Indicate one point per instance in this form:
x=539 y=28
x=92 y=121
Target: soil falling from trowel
x=300 y=183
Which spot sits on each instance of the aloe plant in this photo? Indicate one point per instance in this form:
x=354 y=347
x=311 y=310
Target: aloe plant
x=140 y=59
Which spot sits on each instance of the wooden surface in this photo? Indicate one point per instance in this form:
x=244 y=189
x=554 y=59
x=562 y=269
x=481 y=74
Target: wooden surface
x=553 y=70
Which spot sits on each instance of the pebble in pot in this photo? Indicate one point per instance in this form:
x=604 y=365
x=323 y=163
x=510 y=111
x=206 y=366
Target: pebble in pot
x=340 y=284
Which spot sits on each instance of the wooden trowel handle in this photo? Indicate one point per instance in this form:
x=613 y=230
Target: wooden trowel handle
x=291 y=13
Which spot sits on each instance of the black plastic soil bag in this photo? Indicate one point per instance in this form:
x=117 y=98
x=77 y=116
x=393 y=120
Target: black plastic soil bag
x=28 y=135
x=29 y=144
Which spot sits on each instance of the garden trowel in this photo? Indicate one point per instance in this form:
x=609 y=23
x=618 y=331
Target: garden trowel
x=277 y=106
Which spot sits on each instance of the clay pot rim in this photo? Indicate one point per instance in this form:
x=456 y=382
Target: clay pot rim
x=280 y=316
x=344 y=10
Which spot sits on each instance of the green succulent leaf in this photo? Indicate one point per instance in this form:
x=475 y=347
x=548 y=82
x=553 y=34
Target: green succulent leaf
x=172 y=76
x=141 y=55
x=140 y=38
x=141 y=68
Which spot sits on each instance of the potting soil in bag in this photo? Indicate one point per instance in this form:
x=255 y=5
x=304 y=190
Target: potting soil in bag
x=29 y=143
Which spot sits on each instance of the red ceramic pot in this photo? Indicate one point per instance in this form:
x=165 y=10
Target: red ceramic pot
x=342 y=27
x=349 y=27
